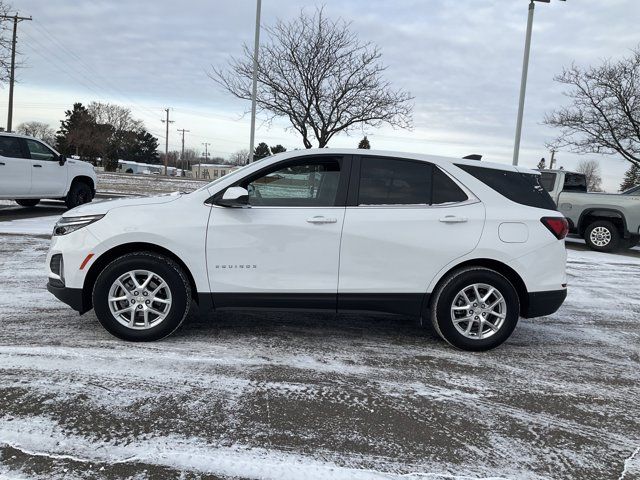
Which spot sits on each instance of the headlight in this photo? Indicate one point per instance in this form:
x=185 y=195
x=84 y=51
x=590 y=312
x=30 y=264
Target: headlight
x=67 y=225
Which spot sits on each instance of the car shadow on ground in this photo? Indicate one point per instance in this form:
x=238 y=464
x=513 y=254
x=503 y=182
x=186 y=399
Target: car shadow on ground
x=17 y=212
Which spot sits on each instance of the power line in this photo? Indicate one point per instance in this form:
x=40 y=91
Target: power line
x=12 y=73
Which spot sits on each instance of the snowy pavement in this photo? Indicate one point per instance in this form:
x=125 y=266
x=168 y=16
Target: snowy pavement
x=309 y=396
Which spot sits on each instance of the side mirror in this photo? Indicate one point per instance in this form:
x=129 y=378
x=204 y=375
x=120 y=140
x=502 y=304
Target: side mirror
x=234 y=197
x=62 y=160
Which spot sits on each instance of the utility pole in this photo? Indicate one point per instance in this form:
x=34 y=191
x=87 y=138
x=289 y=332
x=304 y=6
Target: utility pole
x=206 y=155
x=256 y=48
x=166 y=141
x=182 y=155
x=12 y=73
x=553 y=158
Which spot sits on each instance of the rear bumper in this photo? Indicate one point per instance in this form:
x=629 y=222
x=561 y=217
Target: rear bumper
x=544 y=303
x=70 y=296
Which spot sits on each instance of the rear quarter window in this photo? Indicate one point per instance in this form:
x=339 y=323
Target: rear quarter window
x=522 y=188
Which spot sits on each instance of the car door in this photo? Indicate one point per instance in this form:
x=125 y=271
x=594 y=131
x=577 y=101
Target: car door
x=405 y=221
x=282 y=250
x=48 y=177
x=15 y=169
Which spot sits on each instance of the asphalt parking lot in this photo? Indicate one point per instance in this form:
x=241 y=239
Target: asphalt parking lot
x=249 y=395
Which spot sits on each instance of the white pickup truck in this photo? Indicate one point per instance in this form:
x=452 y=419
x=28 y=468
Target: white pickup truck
x=30 y=170
x=607 y=221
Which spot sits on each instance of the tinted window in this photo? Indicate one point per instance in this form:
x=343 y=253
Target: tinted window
x=39 y=152
x=445 y=190
x=548 y=181
x=385 y=181
x=574 y=182
x=310 y=184
x=10 y=147
x=523 y=188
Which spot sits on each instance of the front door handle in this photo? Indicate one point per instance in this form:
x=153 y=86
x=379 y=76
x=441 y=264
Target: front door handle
x=321 y=219
x=37 y=166
x=1 y=163
x=453 y=219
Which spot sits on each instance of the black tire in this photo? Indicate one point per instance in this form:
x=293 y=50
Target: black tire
x=605 y=239
x=79 y=194
x=443 y=301
x=171 y=273
x=31 y=202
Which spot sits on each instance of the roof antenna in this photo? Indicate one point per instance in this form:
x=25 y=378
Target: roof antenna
x=473 y=156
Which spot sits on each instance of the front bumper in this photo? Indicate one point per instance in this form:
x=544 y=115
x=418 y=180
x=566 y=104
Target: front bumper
x=71 y=296
x=540 y=304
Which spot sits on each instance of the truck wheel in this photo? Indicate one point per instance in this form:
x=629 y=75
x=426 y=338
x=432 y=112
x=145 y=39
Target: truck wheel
x=31 y=202
x=475 y=309
x=602 y=236
x=79 y=194
x=141 y=297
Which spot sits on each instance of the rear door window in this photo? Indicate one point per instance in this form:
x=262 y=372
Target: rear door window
x=445 y=190
x=391 y=181
x=574 y=182
x=10 y=147
x=522 y=188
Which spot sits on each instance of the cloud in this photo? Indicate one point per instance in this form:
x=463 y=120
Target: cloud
x=460 y=59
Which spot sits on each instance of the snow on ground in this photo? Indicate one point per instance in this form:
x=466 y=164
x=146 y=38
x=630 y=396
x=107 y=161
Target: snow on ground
x=126 y=183
x=290 y=396
x=30 y=226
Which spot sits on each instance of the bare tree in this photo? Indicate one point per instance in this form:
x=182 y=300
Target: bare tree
x=315 y=72
x=591 y=170
x=604 y=114
x=39 y=130
x=241 y=157
x=118 y=117
x=5 y=42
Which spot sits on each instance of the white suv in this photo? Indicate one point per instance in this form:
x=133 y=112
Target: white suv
x=31 y=170
x=472 y=246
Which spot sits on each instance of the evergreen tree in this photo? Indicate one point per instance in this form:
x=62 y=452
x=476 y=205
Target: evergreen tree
x=140 y=146
x=277 y=149
x=631 y=178
x=79 y=134
x=261 y=151
x=364 y=143
x=542 y=164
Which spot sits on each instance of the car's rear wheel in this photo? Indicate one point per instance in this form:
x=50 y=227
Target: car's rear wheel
x=475 y=309
x=602 y=236
x=31 y=202
x=142 y=297
x=79 y=194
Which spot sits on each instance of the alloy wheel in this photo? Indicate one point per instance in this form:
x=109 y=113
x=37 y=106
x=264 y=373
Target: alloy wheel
x=140 y=299
x=478 y=311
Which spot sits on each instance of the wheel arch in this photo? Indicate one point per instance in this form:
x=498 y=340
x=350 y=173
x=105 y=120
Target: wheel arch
x=84 y=179
x=107 y=257
x=496 y=265
x=607 y=214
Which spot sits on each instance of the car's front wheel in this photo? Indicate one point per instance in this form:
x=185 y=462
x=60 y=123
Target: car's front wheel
x=79 y=194
x=475 y=309
x=141 y=297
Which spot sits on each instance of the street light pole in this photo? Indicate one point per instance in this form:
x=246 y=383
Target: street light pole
x=256 y=47
x=523 y=82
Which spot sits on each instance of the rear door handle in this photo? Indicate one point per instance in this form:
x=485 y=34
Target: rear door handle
x=321 y=219
x=1 y=163
x=453 y=219
x=37 y=166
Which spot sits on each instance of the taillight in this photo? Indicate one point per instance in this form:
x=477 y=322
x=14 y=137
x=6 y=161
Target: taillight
x=556 y=225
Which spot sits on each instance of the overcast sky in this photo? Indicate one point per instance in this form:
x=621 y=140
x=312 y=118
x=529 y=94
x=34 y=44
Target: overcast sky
x=461 y=59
